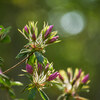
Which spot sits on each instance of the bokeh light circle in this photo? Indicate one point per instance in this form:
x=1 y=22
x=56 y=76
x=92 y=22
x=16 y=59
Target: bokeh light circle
x=72 y=22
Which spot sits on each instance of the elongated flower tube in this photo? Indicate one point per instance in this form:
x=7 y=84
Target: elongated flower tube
x=53 y=39
x=61 y=77
x=48 y=31
x=26 y=29
x=0 y=29
x=53 y=76
x=73 y=82
x=79 y=73
x=29 y=68
x=85 y=79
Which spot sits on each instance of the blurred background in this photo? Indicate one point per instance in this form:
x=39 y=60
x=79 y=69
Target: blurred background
x=78 y=25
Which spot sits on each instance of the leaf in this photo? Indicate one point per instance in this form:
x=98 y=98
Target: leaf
x=43 y=95
x=6 y=39
x=16 y=83
x=39 y=56
x=31 y=60
x=32 y=93
x=23 y=52
x=11 y=93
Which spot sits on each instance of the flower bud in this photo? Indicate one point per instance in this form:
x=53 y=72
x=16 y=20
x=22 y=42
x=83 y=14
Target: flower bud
x=33 y=36
x=48 y=31
x=53 y=39
x=79 y=73
x=26 y=29
x=0 y=29
x=29 y=68
x=85 y=79
x=61 y=78
x=53 y=76
x=47 y=66
x=39 y=67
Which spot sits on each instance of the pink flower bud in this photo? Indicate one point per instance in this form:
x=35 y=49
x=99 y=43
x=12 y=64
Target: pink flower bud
x=39 y=67
x=48 y=31
x=79 y=73
x=0 y=29
x=26 y=29
x=85 y=79
x=53 y=39
x=47 y=66
x=61 y=77
x=29 y=68
x=53 y=76
x=33 y=36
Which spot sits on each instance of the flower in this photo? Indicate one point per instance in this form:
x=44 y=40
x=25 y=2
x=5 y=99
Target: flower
x=53 y=76
x=26 y=29
x=29 y=68
x=85 y=79
x=39 y=67
x=71 y=83
x=38 y=41
x=53 y=39
x=0 y=29
x=48 y=31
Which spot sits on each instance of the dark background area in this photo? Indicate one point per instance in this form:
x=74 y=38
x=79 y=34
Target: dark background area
x=78 y=25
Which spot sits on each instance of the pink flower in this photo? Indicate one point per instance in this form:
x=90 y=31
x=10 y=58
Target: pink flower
x=85 y=79
x=53 y=76
x=29 y=68
x=48 y=31
x=0 y=29
x=54 y=39
x=26 y=29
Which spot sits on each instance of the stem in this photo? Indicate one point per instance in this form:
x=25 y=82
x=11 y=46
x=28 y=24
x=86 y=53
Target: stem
x=17 y=64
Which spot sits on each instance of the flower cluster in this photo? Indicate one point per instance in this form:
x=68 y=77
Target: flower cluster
x=38 y=41
x=71 y=83
x=42 y=74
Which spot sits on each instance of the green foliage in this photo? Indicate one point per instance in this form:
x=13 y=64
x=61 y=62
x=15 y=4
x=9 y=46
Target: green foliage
x=7 y=84
x=23 y=52
x=4 y=37
x=32 y=93
x=43 y=95
x=1 y=61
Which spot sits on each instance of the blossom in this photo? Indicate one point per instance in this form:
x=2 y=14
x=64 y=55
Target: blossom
x=53 y=76
x=29 y=68
x=0 y=29
x=73 y=82
x=85 y=79
x=48 y=31
x=26 y=29
x=53 y=39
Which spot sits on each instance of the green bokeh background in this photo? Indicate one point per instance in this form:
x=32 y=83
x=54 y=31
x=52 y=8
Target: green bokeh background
x=80 y=49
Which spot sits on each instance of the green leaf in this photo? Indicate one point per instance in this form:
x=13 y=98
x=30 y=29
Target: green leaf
x=16 y=83
x=6 y=39
x=39 y=57
x=31 y=60
x=11 y=93
x=43 y=95
x=32 y=93
x=23 y=52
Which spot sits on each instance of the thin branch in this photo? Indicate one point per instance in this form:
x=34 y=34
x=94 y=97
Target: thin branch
x=17 y=64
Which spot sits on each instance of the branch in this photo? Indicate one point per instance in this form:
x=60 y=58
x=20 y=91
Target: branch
x=17 y=64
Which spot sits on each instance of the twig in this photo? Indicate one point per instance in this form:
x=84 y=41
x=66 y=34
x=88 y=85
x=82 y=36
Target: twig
x=17 y=64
